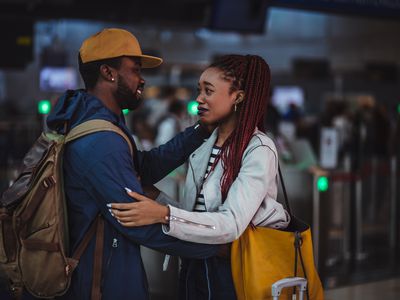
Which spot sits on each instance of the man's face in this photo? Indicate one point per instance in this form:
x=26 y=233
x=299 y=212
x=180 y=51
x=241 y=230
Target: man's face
x=130 y=84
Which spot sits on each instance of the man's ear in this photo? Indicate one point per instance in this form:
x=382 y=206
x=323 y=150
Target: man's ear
x=239 y=97
x=107 y=73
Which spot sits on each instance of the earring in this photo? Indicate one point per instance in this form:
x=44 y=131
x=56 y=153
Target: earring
x=112 y=79
x=235 y=107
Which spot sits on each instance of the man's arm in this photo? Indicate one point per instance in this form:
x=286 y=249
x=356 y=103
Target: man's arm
x=105 y=180
x=159 y=162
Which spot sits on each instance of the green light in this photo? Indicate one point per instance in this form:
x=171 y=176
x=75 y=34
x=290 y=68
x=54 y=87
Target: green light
x=44 y=107
x=125 y=111
x=322 y=184
x=398 y=108
x=192 y=108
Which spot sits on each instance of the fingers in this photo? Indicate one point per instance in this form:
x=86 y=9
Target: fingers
x=122 y=213
x=127 y=219
x=138 y=196
x=129 y=223
x=124 y=216
x=121 y=206
x=127 y=206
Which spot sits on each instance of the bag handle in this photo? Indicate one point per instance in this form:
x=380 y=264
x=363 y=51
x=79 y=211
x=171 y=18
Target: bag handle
x=284 y=190
x=297 y=238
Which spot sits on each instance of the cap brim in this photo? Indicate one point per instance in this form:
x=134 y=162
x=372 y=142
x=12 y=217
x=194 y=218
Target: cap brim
x=150 y=61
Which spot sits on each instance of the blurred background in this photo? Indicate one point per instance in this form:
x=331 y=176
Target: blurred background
x=334 y=111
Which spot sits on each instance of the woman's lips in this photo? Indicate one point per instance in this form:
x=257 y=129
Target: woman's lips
x=201 y=111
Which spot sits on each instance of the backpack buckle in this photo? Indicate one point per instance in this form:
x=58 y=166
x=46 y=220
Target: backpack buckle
x=49 y=181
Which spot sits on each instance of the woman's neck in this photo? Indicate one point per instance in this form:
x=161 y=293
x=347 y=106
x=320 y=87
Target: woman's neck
x=225 y=129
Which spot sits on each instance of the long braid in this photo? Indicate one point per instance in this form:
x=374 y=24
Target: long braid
x=251 y=74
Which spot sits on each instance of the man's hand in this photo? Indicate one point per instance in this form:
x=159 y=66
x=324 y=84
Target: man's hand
x=209 y=127
x=151 y=191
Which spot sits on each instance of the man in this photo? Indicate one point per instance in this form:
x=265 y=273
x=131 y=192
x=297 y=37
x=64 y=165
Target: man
x=98 y=167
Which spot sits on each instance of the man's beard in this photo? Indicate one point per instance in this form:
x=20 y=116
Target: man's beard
x=126 y=98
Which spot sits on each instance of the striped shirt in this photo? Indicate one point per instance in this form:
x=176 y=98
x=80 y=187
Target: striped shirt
x=200 y=205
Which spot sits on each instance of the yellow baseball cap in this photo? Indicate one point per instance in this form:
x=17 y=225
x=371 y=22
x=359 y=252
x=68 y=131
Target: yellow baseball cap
x=115 y=42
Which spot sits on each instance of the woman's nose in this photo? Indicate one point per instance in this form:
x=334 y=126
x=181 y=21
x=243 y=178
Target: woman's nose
x=200 y=99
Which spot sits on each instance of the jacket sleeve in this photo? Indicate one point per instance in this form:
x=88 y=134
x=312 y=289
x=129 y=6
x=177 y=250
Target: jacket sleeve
x=256 y=179
x=105 y=180
x=159 y=162
x=167 y=200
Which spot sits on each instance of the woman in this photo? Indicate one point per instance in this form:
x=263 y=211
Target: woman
x=232 y=177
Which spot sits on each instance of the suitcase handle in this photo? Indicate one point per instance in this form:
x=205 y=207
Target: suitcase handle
x=289 y=282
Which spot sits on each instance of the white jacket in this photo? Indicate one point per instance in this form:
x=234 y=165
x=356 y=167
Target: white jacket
x=251 y=197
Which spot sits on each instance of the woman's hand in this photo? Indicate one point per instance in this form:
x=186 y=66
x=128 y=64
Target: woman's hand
x=143 y=212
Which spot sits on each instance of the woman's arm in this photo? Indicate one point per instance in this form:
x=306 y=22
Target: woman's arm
x=256 y=181
x=256 y=178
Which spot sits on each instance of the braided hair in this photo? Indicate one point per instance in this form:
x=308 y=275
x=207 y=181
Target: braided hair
x=251 y=74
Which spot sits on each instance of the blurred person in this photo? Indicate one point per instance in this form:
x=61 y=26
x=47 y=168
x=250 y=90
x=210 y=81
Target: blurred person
x=232 y=177
x=272 y=119
x=143 y=133
x=98 y=166
x=158 y=105
x=170 y=124
x=336 y=115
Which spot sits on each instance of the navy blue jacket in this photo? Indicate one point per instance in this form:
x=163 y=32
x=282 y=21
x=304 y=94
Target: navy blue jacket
x=97 y=167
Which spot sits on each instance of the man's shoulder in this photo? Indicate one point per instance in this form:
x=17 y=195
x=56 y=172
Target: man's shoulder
x=98 y=144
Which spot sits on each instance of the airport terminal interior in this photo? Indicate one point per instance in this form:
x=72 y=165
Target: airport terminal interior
x=334 y=110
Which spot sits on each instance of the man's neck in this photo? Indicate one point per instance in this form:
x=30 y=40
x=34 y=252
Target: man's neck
x=107 y=99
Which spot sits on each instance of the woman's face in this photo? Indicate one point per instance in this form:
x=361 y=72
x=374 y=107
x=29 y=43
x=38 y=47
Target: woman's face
x=215 y=99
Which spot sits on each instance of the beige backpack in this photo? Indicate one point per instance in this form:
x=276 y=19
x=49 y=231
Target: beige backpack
x=34 y=224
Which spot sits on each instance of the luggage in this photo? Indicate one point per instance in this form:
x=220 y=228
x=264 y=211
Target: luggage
x=299 y=282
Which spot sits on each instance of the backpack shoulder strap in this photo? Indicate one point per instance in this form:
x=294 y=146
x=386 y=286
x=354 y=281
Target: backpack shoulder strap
x=93 y=126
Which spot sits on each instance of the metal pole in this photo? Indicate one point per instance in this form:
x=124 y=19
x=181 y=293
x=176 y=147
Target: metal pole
x=346 y=210
x=359 y=221
x=315 y=223
x=372 y=199
x=393 y=204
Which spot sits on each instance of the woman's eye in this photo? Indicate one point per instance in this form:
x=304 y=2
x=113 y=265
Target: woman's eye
x=208 y=92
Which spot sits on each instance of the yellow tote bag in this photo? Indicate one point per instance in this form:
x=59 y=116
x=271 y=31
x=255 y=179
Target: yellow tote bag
x=262 y=256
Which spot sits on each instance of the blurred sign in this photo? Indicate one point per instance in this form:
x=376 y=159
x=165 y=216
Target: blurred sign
x=284 y=96
x=57 y=79
x=329 y=148
x=380 y=8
